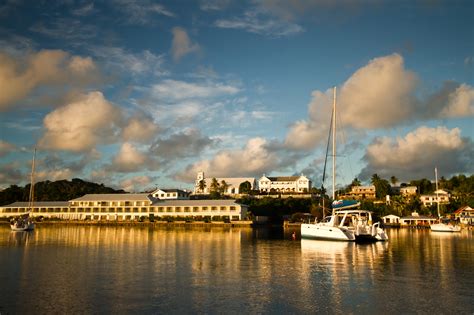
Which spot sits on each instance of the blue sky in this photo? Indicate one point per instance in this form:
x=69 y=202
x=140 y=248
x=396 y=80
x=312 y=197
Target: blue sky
x=140 y=94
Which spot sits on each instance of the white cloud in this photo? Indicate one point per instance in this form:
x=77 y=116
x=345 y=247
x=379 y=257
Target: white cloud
x=81 y=125
x=378 y=95
x=6 y=148
x=139 y=129
x=136 y=184
x=20 y=75
x=254 y=158
x=172 y=90
x=129 y=159
x=144 y=62
x=182 y=44
x=259 y=22
x=141 y=12
x=416 y=155
x=460 y=102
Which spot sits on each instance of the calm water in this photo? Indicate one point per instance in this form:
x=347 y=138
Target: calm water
x=92 y=269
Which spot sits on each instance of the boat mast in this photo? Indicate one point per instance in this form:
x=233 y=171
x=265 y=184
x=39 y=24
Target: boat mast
x=437 y=193
x=334 y=147
x=32 y=183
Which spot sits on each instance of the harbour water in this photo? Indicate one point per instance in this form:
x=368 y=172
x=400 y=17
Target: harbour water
x=71 y=269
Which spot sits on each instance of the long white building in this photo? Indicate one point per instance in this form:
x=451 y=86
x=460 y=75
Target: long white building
x=123 y=207
x=296 y=184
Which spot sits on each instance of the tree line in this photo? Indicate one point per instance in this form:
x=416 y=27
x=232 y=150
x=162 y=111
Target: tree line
x=61 y=190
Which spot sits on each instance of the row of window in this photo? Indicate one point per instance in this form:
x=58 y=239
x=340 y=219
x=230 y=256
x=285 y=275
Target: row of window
x=109 y=203
x=144 y=210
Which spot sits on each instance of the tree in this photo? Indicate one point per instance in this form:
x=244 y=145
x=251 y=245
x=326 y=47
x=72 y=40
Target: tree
x=245 y=187
x=202 y=185
x=214 y=185
x=393 y=180
x=382 y=187
x=224 y=186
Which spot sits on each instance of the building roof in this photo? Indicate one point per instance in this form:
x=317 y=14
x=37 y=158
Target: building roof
x=465 y=208
x=114 y=197
x=38 y=204
x=191 y=203
x=283 y=178
x=391 y=216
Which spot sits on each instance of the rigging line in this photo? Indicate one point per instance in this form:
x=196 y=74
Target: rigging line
x=345 y=142
x=327 y=152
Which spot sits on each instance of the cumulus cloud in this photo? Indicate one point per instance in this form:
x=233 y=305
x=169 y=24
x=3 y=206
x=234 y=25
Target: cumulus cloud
x=416 y=155
x=81 y=125
x=188 y=143
x=460 y=102
x=139 y=129
x=20 y=75
x=255 y=158
x=129 y=159
x=379 y=95
x=136 y=184
x=182 y=44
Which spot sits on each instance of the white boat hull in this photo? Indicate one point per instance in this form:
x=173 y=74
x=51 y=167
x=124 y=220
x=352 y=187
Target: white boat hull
x=441 y=227
x=30 y=226
x=326 y=232
x=370 y=233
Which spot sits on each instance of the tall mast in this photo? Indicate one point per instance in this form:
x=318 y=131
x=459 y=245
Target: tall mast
x=334 y=146
x=32 y=183
x=437 y=194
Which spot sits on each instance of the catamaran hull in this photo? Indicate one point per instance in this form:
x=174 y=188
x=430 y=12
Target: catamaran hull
x=441 y=227
x=322 y=232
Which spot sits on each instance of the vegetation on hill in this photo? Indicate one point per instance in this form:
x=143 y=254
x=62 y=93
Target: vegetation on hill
x=61 y=190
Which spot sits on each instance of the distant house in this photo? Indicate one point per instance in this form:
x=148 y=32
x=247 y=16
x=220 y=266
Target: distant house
x=465 y=215
x=233 y=184
x=362 y=192
x=439 y=195
x=284 y=184
x=391 y=220
x=167 y=194
x=408 y=191
x=416 y=219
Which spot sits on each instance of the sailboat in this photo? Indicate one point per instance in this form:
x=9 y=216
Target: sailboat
x=440 y=226
x=345 y=223
x=25 y=222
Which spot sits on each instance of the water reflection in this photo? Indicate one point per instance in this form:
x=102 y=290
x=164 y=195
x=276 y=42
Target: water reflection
x=105 y=269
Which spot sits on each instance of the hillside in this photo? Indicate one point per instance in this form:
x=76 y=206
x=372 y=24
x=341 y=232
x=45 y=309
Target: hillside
x=61 y=190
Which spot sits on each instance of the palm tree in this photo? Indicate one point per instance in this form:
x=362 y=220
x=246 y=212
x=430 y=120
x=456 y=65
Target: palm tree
x=202 y=185
x=393 y=180
x=224 y=186
x=375 y=179
x=214 y=185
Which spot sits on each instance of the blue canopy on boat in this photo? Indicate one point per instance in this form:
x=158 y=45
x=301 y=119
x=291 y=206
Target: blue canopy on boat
x=345 y=204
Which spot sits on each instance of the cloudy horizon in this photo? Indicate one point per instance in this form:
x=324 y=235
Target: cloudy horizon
x=144 y=94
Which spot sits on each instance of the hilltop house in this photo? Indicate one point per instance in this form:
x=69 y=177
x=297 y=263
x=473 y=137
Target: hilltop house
x=296 y=184
x=362 y=192
x=439 y=195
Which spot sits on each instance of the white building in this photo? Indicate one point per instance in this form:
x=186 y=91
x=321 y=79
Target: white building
x=408 y=191
x=233 y=184
x=391 y=220
x=170 y=194
x=127 y=207
x=296 y=184
x=439 y=195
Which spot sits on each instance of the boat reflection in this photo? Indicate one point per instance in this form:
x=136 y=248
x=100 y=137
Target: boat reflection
x=21 y=238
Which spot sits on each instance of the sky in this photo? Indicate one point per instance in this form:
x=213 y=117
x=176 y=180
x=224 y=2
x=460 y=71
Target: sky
x=144 y=94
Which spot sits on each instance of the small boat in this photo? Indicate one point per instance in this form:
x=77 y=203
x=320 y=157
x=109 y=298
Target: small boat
x=25 y=222
x=441 y=226
x=343 y=224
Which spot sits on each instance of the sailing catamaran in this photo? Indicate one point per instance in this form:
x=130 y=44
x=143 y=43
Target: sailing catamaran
x=343 y=224
x=440 y=226
x=25 y=222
